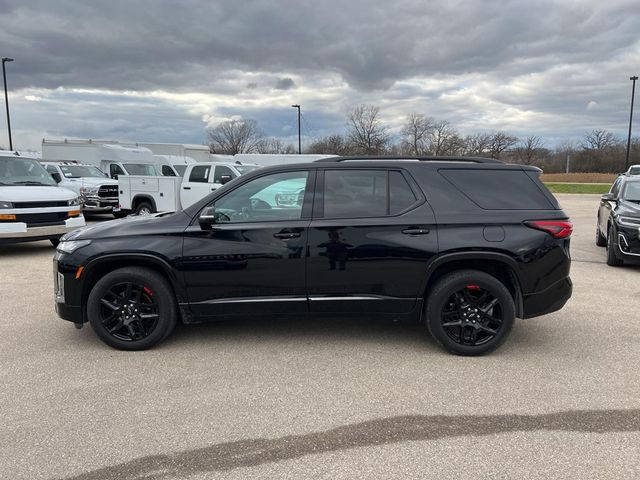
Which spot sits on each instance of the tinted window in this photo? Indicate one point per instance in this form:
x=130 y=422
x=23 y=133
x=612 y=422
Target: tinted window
x=200 y=173
x=115 y=170
x=261 y=199
x=499 y=189
x=632 y=192
x=51 y=169
x=221 y=171
x=401 y=196
x=167 y=171
x=355 y=193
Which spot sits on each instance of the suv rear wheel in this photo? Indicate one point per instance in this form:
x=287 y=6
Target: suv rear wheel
x=132 y=308
x=470 y=312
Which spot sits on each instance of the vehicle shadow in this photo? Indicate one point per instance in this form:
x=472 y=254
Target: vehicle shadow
x=26 y=249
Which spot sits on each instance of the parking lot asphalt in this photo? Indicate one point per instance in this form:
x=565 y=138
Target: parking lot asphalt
x=336 y=398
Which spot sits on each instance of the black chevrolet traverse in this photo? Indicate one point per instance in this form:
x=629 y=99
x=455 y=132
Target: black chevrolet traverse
x=463 y=245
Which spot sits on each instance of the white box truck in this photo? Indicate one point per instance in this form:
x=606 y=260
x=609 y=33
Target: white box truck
x=200 y=153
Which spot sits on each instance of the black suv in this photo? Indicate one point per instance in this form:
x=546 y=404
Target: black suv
x=618 y=225
x=464 y=245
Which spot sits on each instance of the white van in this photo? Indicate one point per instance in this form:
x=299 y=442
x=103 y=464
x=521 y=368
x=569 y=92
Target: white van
x=32 y=205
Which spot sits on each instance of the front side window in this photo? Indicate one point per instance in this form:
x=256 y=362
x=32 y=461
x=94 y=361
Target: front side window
x=115 y=170
x=258 y=200
x=200 y=174
x=222 y=171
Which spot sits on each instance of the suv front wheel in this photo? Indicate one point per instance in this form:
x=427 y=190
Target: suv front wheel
x=132 y=308
x=470 y=312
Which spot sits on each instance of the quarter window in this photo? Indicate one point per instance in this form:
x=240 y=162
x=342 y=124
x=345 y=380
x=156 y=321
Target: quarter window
x=275 y=197
x=200 y=174
x=401 y=196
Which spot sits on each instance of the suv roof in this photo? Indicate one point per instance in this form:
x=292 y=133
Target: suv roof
x=408 y=158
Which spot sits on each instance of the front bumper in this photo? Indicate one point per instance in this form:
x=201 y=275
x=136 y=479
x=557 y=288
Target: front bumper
x=19 y=231
x=94 y=203
x=66 y=289
x=628 y=242
x=548 y=300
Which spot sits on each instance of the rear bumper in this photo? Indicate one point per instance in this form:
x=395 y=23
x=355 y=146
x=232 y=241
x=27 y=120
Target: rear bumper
x=549 y=300
x=11 y=232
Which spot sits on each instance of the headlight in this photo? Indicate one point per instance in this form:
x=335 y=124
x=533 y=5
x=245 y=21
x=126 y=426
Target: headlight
x=73 y=201
x=629 y=221
x=72 y=246
x=4 y=204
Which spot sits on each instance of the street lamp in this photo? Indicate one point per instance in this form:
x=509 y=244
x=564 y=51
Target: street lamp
x=6 y=97
x=633 y=91
x=299 y=138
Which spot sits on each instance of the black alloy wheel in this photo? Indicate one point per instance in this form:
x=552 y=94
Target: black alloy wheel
x=470 y=312
x=132 y=308
x=128 y=311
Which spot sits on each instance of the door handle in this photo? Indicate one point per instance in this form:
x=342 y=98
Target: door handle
x=186 y=188
x=415 y=231
x=286 y=235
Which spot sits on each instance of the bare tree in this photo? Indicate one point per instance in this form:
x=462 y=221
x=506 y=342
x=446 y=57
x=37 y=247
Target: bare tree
x=501 y=141
x=529 y=149
x=416 y=132
x=366 y=133
x=333 y=144
x=478 y=144
x=275 y=145
x=599 y=140
x=444 y=140
x=235 y=136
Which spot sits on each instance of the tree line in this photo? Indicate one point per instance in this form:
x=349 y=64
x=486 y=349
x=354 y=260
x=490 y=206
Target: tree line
x=366 y=134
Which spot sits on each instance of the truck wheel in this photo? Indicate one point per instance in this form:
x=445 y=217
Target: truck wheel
x=470 y=312
x=612 y=256
x=132 y=308
x=144 y=208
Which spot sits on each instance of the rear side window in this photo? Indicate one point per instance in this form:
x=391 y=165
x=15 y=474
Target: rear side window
x=499 y=189
x=200 y=174
x=355 y=193
x=167 y=171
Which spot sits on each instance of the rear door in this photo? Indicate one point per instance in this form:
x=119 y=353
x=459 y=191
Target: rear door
x=370 y=241
x=196 y=185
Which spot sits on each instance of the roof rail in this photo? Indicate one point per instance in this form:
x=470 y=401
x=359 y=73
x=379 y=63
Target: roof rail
x=408 y=157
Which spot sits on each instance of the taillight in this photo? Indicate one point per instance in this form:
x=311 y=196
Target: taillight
x=555 y=228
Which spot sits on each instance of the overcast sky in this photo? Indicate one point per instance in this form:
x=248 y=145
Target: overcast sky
x=164 y=70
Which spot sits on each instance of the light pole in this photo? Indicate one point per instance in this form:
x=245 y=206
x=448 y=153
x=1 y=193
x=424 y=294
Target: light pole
x=299 y=137
x=633 y=91
x=6 y=97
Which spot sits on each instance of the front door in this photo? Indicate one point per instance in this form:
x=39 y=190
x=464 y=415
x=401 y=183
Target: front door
x=197 y=185
x=252 y=258
x=370 y=242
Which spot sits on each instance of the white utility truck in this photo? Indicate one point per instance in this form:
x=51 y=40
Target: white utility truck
x=145 y=195
x=32 y=205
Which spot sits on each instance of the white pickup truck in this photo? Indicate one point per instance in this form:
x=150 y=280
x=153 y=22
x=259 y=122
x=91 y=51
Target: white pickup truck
x=32 y=205
x=143 y=195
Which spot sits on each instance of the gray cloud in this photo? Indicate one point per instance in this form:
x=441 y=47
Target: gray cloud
x=285 y=83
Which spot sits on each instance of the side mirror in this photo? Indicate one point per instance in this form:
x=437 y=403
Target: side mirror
x=608 y=197
x=56 y=176
x=224 y=179
x=207 y=218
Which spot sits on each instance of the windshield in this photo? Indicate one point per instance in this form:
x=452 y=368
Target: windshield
x=78 y=171
x=23 y=171
x=245 y=168
x=180 y=169
x=141 y=169
x=632 y=192
x=634 y=171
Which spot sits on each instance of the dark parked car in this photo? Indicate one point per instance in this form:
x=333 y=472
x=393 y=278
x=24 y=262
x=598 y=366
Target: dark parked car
x=618 y=224
x=463 y=245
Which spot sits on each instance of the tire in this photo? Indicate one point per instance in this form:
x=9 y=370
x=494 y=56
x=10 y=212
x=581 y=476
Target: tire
x=55 y=241
x=612 y=256
x=144 y=208
x=150 y=296
x=601 y=240
x=463 y=330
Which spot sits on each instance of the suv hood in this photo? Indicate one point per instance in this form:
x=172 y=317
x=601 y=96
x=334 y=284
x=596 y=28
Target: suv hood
x=35 y=193
x=159 y=223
